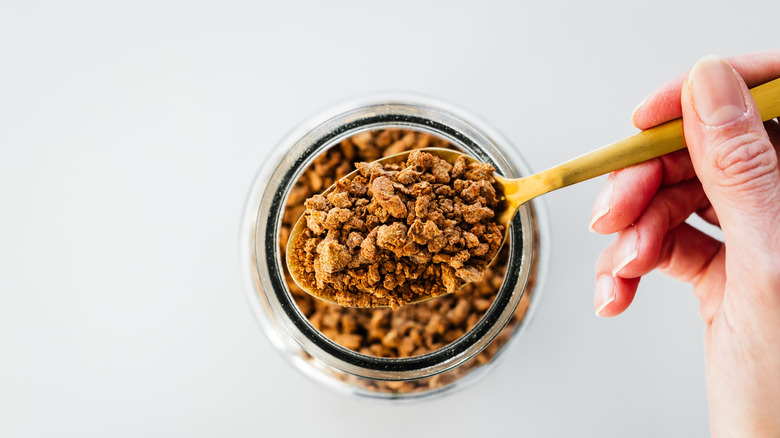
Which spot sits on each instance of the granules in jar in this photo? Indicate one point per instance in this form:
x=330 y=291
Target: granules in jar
x=397 y=232
x=408 y=330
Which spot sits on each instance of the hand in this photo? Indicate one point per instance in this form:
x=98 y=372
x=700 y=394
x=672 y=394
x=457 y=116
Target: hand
x=729 y=176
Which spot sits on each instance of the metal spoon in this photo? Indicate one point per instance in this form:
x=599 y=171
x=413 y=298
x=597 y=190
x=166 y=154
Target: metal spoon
x=637 y=148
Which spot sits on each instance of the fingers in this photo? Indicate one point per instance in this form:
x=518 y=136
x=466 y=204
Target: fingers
x=659 y=239
x=639 y=246
x=613 y=294
x=736 y=163
x=691 y=256
x=629 y=191
x=734 y=155
x=663 y=104
x=685 y=253
x=625 y=195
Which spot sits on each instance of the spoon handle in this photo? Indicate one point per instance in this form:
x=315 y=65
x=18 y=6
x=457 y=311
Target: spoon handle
x=650 y=143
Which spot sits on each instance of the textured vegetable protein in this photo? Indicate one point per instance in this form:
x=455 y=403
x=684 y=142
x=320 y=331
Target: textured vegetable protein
x=398 y=232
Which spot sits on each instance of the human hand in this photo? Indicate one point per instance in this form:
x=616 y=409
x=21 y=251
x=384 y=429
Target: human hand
x=729 y=176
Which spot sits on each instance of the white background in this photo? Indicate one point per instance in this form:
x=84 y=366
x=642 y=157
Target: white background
x=131 y=133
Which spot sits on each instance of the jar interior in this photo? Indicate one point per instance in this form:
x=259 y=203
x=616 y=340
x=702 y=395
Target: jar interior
x=407 y=331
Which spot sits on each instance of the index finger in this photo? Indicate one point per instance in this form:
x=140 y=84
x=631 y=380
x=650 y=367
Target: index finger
x=663 y=104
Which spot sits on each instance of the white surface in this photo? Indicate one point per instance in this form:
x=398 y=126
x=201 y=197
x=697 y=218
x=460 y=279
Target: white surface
x=129 y=136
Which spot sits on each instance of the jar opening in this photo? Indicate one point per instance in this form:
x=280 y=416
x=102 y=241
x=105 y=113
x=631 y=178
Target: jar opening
x=315 y=143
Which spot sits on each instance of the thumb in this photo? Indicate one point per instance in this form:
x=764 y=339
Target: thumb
x=734 y=160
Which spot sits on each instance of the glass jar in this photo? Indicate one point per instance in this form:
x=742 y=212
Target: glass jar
x=358 y=350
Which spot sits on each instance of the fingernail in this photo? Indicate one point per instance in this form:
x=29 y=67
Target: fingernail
x=633 y=113
x=602 y=205
x=626 y=248
x=605 y=293
x=715 y=91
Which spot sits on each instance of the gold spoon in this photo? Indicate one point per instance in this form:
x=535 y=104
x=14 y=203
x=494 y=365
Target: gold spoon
x=648 y=144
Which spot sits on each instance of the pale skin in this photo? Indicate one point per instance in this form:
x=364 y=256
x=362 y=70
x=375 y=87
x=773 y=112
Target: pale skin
x=729 y=176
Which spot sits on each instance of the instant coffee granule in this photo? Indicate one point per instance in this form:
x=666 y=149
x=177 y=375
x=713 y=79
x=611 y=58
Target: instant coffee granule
x=409 y=330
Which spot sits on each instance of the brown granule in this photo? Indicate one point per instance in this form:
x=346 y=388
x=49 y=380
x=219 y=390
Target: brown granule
x=397 y=232
x=401 y=332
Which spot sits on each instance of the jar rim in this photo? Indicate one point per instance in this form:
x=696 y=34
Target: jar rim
x=302 y=147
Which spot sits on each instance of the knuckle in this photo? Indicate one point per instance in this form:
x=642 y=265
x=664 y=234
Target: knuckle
x=744 y=160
